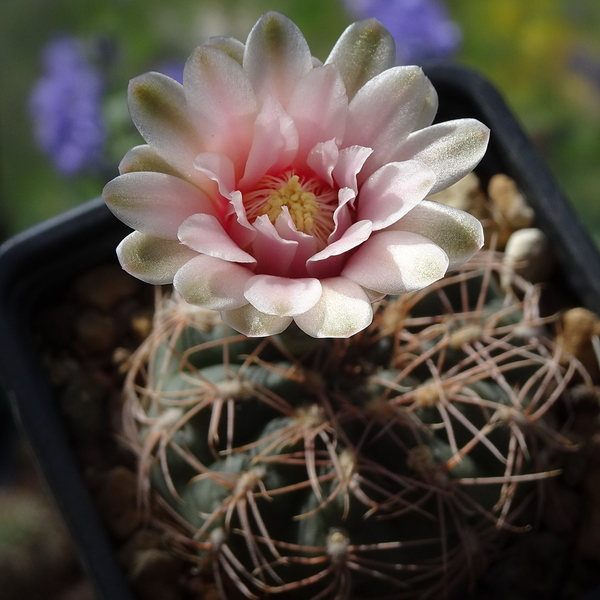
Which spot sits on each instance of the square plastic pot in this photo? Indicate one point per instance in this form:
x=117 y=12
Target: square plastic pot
x=39 y=263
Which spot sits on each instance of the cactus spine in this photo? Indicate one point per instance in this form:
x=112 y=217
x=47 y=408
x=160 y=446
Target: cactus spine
x=382 y=466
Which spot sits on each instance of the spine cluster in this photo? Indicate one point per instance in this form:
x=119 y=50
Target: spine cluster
x=387 y=465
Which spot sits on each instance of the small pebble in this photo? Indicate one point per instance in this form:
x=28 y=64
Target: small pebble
x=105 y=286
x=528 y=254
x=509 y=208
x=141 y=324
x=153 y=573
x=95 y=332
x=577 y=328
x=82 y=403
x=142 y=539
x=466 y=194
x=117 y=501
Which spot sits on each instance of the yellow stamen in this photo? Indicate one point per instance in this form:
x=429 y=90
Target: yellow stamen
x=309 y=201
x=302 y=205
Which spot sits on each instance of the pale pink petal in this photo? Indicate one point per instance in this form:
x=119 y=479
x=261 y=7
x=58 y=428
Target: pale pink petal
x=343 y=214
x=458 y=233
x=274 y=145
x=392 y=191
x=353 y=236
x=307 y=244
x=145 y=158
x=253 y=323
x=328 y=262
x=273 y=254
x=396 y=262
x=429 y=109
x=221 y=101
x=342 y=310
x=364 y=50
x=322 y=159
x=154 y=203
x=203 y=233
x=239 y=228
x=230 y=46
x=153 y=260
x=212 y=283
x=385 y=110
x=282 y=296
x=451 y=149
x=276 y=57
x=373 y=296
x=159 y=111
x=350 y=162
x=218 y=168
x=318 y=107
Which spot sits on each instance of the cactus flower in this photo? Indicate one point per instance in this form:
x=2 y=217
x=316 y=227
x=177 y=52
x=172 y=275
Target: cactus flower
x=274 y=188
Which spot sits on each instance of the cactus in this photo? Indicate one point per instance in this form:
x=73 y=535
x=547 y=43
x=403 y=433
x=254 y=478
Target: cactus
x=387 y=465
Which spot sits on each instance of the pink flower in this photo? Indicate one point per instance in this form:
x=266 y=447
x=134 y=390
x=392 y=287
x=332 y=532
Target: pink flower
x=274 y=188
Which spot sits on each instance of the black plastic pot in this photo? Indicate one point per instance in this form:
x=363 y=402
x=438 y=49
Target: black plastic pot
x=37 y=264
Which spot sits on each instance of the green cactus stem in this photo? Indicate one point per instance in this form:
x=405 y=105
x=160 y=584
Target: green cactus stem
x=387 y=465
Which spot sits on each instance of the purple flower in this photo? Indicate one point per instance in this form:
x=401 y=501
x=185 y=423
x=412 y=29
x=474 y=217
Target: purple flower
x=172 y=69
x=587 y=65
x=66 y=107
x=422 y=29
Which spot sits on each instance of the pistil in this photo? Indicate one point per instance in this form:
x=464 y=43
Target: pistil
x=310 y=203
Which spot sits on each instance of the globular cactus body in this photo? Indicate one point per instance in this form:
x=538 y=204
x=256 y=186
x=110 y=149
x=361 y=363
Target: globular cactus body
x=381 y=466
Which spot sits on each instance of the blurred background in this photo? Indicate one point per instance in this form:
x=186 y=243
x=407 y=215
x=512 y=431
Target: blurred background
x=65 y=65
x=64 y=126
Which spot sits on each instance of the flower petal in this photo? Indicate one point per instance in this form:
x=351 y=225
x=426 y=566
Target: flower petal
x=429 y=108
x=221 y=101
x=282 y=296
x=322 y=159
x=459 y=234
x=329 y=261
x=392 y=191
x=342 y=310
x=307 y=244
x=219 y=168
x=230 y=46
x=203 y=233
x=451 y=149
x=145 y=158
x=343 y=214
x=319 y=107
x=276 y=57
x=158 y=110
x=253 y=323
x=350 y=162
x=273 y=254
x=396 y=262
x=240 y=229
x=386 y=109
x=364 y=50
x=212 y=283
x=274 y=145
x=153 y=260
x=154 y=203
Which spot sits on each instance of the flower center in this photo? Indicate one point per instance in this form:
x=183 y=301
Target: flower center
x=310 y=203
